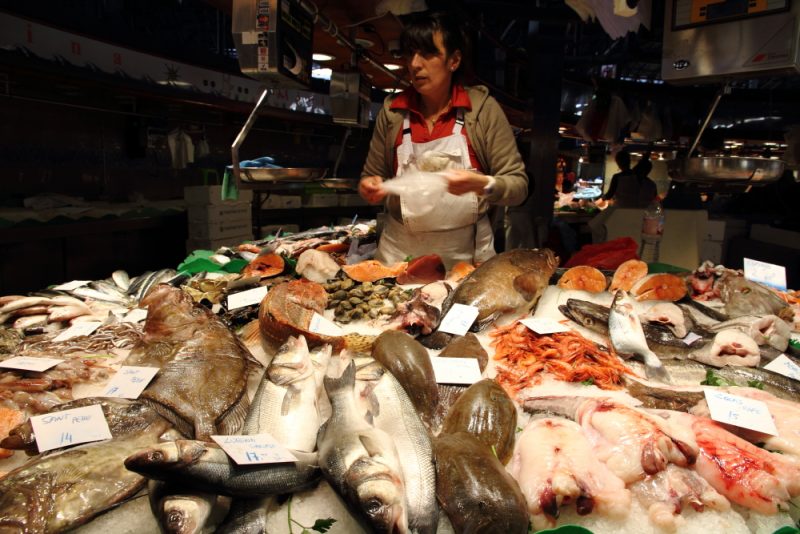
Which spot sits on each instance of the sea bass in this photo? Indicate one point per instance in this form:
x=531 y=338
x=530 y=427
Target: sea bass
x=201 y=385
x=627 y=336
x=58 y=491
x=510 y=282
x=360 y=461
x=285 y=404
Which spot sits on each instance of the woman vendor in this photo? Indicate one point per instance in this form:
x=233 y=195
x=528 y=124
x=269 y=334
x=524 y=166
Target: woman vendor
x=469 y=137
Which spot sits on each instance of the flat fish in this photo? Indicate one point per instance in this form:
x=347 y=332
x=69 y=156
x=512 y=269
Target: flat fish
x=466 y=346
x=487 y=412
x=474 y=489
x=744 y=297
x=410 y=364
x=202 y=382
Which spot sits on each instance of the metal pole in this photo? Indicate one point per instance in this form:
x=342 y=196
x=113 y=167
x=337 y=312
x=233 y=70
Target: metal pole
x=725 y=89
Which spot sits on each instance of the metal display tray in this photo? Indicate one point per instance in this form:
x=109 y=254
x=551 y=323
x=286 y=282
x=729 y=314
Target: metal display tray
x=726 y=169
x=286 y=174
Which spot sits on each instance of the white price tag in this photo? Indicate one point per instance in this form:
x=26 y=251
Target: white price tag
x=321 y=325
x=765 y=273
x=29 y=363
x=456 y=370
x=544 y=325
x=740 y=411
x=690 y=338
x=69 y=286
x=784 y=366
x=255 y=449
x=80 y=329
x=130 y=381
x=214 y=276
x=70 y=427
x=136 y=315
x=459 y=319
x=247 y=298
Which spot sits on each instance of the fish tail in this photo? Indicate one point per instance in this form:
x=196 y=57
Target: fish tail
x=654 y=369
x=345 y=382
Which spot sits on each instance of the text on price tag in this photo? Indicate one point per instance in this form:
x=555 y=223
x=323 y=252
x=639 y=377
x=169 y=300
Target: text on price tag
x=765 y=273
x=323 y=326
x=80 y=329
x=130 y=381
x=29 y=363
x=459 y=319
x=247 y=298
x=740 y=411
x=70 y=427
x=544 y=325
x=456 y=370
x=784 y=366
x=255 y=449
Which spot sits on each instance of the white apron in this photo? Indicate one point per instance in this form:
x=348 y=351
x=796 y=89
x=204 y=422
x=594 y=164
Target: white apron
x=456 y=230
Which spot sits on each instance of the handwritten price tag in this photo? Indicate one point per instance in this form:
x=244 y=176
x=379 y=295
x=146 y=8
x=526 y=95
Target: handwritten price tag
x=29 y=363
x=70 y=427
x=321 y=325
x=247 y=298
x=130 y=381
x=69 y=286
x=765 y=273
x=456 y=370
x=784 y=366
x=136 y=315
x=544 y=325
x=459 y=319
x=255 y=449
x=80 y=329
x=740 y=411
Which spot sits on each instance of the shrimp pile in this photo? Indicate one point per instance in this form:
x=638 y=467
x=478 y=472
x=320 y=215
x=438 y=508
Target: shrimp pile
x=525 y=356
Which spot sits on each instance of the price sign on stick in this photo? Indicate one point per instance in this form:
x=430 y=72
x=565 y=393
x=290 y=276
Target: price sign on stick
x=70 y=427
x=459 y=319
x=255 y=449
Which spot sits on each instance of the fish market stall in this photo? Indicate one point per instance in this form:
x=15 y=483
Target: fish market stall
x=311 y=388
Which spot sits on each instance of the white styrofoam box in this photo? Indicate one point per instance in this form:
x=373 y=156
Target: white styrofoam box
x=323 y=200
x=775 y=236
x=217 y=213
x=351 y=199
x=220 y=229
x=210 y=194
x=711 y=250
x=214 y=244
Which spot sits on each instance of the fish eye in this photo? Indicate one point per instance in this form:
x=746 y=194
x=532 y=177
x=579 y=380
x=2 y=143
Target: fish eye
x=373 y=506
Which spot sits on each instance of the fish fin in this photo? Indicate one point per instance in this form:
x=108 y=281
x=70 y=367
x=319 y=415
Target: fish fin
x=344 y=382
x=232 y=421
x=203 y=427
x=655 y=370
x=483 y=323
x=372 y=448
x=292 y=397
x=527 y=285
x=368 y=417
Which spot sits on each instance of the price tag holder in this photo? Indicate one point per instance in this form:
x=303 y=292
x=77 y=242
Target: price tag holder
x=740 y=411
x=29 y=363
x=784 y=366
x=130 y=381
x=765 y=273
x=320 y=325
x=80 y=329
x=456 y=370
x=70 y=427
x=136 y=315
x=690 y=338
x=255 y=449
x=247 y=298
x=69 y=286
x=544 y=325
x=459 y=319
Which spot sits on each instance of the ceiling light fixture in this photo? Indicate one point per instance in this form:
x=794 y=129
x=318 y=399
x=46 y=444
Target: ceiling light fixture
x=322 y=57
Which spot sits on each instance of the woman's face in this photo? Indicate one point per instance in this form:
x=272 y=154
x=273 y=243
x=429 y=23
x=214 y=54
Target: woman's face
x=431 y=74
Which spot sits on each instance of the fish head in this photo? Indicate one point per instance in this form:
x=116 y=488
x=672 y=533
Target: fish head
x=622 y=301
x=168 y=455
x=379 y=493
x=171 y=313
x=587 y=314
x=292 y=362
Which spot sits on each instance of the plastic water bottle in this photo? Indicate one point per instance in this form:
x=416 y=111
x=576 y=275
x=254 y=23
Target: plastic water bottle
x=652 y=230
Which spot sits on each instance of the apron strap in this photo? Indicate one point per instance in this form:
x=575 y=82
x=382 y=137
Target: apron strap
x=406 y=128
x=459 y=121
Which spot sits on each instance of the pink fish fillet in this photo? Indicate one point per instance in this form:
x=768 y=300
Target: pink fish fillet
x=745 y=474
x=555 y=466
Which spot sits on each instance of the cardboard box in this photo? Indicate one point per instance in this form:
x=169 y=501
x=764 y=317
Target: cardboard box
x=351 y=199
x=211 y=194
x=218 y=213
x=323 y=200
x=221 y=229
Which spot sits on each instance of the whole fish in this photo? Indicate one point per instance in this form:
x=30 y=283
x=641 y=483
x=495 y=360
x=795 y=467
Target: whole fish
x=181 y=510
x=121 y=279
x=201 y=385
x=466 y=346
x=745 y=297
x=397 y=417
x=246 y=516
x=474 y=489
x=133 y=516
x=410 y=364
x=285 y=404
x=205 y=467
x=627 y=337
x=487 y=412
x=764 y=329
x=360 y=461
x=58 y=491
x=510 y=282
x=92 y=293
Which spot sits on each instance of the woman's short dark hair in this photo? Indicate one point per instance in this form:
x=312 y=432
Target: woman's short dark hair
x=418 y=34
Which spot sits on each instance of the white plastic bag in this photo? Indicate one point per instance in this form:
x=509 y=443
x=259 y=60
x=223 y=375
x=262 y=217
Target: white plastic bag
x=420 y=192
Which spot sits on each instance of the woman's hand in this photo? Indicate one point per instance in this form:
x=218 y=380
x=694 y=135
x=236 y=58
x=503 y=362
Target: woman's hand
x=461 y=181
x=371 y=189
